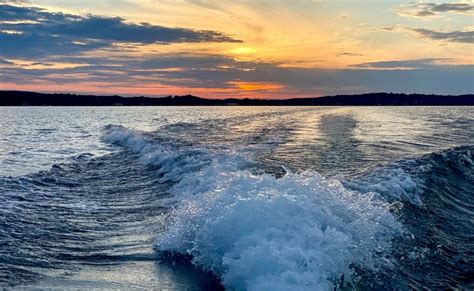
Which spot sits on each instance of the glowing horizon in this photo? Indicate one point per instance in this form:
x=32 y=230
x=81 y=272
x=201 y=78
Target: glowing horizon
x=219 y=49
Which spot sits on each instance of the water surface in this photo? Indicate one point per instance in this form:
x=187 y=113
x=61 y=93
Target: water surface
x=244 y=197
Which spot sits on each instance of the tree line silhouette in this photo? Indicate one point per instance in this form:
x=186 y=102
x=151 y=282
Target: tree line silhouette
x=22 y=98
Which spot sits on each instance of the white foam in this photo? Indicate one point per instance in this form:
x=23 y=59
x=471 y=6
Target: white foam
x=299 y=232
x=257 y=232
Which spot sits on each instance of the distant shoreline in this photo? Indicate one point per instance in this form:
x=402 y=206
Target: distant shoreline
x=22 y=98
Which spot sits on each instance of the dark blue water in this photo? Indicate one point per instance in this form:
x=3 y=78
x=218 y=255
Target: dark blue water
x=237 y=198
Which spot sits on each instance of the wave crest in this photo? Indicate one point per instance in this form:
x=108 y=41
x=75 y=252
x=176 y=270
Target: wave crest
x=301 y=231
x=258 y=232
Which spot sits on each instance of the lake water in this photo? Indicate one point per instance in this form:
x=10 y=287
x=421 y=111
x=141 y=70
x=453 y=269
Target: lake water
x=248 y=198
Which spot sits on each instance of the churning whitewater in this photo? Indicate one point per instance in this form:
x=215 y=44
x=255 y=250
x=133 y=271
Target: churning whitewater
x=300 y=231
x=281 y=199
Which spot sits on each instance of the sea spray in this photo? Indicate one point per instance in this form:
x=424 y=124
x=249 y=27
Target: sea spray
x=259 y=232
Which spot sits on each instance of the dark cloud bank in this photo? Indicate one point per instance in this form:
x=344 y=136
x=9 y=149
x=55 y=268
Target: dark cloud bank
x=451 y=36
x=431 y=9
x=38 y=32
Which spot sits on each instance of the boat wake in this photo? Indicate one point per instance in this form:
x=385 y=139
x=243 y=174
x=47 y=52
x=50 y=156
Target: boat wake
x=259 y=231
x=255 y=225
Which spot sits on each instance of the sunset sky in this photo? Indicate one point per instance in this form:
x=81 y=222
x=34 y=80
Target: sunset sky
x=277 y=49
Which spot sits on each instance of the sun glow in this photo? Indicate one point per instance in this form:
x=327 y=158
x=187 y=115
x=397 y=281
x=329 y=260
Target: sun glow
x=256 y=86
x=243 y=50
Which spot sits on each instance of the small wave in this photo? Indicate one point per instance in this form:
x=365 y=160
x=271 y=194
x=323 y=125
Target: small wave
x=172 y=163
x=392 y=182
x=406 y=181
x=46 y=130
x=122 y=136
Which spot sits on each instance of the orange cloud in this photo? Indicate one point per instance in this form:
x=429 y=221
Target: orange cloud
x=255 y=86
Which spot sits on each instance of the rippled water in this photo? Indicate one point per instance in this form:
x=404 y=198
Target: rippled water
x=244 y=198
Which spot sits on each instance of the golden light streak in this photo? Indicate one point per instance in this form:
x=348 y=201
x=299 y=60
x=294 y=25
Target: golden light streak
x=255 y=86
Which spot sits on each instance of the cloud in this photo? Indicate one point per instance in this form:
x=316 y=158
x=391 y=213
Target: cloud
x=38 y=32
x=452 y=36
x=421 y=10
x=209 y=75
x=115 y=29
x=350 y=54
x=36 y=46
x=404 y=64
x=13 y=1
x=466 y=36
x=452 y=7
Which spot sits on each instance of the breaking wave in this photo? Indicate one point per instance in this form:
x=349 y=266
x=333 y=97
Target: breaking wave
x=259 y=230
x=262 y=232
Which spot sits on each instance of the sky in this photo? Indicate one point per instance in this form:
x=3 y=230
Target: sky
x=243 y=49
